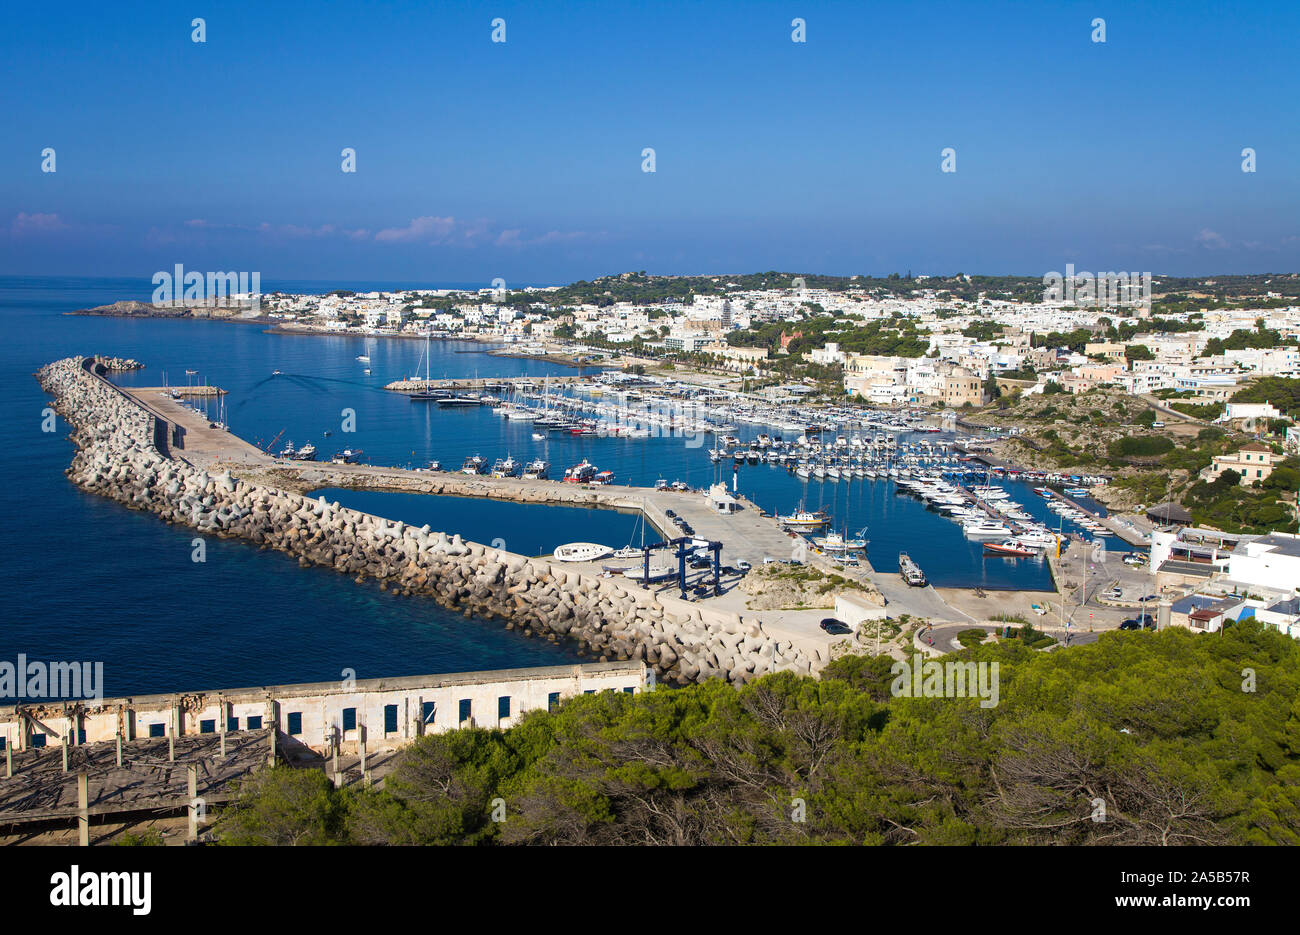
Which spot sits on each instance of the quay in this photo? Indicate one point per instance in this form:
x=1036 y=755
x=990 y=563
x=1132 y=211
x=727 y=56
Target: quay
x=744 y=534
x=1129 y=534
x=490 y=384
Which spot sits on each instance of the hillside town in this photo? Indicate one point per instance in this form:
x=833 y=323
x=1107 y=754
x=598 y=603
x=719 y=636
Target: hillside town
x=960 y=349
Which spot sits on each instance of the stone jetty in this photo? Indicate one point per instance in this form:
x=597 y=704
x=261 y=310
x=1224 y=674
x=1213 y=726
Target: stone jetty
x=119 y=456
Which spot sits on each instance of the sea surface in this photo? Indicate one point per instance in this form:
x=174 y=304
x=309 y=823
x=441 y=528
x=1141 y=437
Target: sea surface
x=88 y=579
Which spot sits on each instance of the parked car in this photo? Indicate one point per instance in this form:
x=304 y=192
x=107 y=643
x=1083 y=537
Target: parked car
x=743 y=566
x=836 y=627
x=669 y=513
x=1149 y=597
x=1130 y=625
x=1147 y=621
x=1114 y=593
x=1134 y=558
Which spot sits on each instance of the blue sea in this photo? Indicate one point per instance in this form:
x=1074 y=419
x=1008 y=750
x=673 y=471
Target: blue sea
x=87 y=579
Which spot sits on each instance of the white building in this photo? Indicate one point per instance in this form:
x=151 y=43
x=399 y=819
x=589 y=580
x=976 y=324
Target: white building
x=1270 y=561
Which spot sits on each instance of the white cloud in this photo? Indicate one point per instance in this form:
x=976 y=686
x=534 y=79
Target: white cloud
x=428 y=228
x=1211 y=240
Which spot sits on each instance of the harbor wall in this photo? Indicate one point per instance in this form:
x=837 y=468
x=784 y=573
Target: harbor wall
x=611 y=618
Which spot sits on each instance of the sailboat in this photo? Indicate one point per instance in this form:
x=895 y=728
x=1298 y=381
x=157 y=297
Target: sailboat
x=425 y=395
x=630 y=550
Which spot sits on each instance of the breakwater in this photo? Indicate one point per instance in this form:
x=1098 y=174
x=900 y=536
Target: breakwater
x=122 y=453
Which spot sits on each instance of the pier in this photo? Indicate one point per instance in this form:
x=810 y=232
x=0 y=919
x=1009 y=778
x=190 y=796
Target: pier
x=744 y=534
x=1130 y=535
x=486 y=384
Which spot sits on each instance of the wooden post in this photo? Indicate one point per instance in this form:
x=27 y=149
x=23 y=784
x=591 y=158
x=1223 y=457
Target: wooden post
x=9 y=761
x=334 y=746
x=361 y=746
x=193 y=771
x=270 y=756
x=221 y=725
x=66 y=741
x=83 y=808
x=119 y=750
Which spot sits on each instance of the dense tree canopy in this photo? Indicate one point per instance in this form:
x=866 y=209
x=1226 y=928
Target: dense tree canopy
x=1181 y=738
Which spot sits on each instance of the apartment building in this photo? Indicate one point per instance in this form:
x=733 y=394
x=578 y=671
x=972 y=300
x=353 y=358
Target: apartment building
x=1254 y=461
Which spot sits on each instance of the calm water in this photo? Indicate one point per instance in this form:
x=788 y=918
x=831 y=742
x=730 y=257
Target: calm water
x=89 y=579
x=523 y=528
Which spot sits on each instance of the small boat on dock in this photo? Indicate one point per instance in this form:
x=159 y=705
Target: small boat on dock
x=582 y=552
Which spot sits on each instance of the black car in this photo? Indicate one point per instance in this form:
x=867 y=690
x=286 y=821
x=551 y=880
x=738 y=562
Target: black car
x=1146 y=620
x=1130 y=625
x=700 y=563
x=669 y=513
x=835 y=627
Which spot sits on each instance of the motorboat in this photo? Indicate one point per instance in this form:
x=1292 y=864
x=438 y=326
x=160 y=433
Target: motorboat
x=984 y=529
x=1009 y=548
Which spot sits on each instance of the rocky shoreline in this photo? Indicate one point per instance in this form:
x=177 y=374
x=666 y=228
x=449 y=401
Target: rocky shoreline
x=118 y=457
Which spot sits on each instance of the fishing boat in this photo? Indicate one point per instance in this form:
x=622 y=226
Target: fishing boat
x=1009 y=548
x=802 y=519
x=603 y=477
x=363 y=358
x=507 y=467
x=836 y=544
x=580 y=473
x=474 y=465
x=347 y=456
x=537 y=469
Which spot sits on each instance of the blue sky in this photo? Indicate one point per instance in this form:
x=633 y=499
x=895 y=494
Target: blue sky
x=523 y=159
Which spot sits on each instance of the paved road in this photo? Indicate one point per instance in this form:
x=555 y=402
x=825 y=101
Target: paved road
x=944 y=637
x=900 y=599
